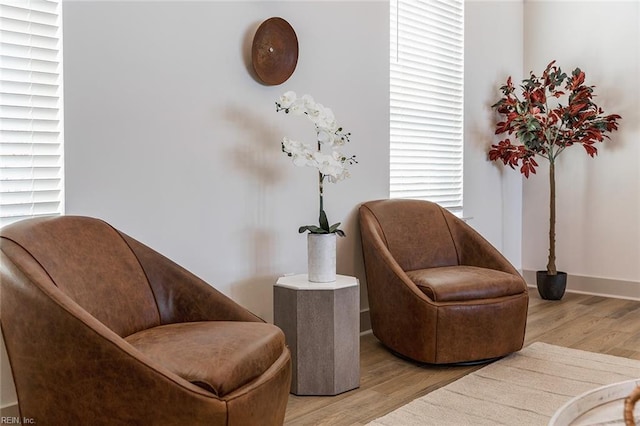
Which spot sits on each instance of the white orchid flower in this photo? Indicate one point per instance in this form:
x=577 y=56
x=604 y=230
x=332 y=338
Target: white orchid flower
x=287 y=99
x=332 y=166
x=325 y=137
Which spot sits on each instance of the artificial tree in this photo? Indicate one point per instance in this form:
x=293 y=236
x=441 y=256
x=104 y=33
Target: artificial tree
x=545 y=127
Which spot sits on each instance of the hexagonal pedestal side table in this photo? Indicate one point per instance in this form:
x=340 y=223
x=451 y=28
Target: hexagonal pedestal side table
x=321 y=323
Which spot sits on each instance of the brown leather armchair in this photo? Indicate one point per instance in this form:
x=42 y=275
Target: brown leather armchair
x=438 y=292
x=102 y=330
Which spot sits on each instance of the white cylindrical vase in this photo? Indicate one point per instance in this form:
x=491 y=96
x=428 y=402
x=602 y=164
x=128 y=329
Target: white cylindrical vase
x=321 y=255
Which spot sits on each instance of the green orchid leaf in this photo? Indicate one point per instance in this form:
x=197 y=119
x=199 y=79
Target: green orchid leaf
x=302 y=229
x=312 y=229
x=334 y=227
x=340 y=232
x=324 y=223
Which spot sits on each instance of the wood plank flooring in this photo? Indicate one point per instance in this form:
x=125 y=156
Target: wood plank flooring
x=590 y=323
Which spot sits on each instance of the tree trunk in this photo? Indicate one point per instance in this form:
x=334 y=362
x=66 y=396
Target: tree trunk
x=551 y=265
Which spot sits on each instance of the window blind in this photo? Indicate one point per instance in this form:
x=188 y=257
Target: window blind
x=426 y=100
x=31 y=156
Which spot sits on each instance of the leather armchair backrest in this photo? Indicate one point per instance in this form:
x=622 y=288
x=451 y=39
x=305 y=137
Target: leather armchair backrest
x=416 y=232
x=91 y=263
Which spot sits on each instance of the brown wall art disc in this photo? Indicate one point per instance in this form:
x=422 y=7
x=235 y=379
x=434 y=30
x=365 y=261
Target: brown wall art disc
x=274 y=52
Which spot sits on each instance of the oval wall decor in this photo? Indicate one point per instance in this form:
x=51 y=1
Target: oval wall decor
x=274 y=52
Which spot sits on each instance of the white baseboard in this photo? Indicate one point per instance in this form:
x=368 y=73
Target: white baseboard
x=10 y=411
x=605 y=287
x=365 y=321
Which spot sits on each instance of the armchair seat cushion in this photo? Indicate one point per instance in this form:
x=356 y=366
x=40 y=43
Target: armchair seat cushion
x=465 y=283
x=219 y=356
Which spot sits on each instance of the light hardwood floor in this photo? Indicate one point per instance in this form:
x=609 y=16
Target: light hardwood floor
x=591 y=323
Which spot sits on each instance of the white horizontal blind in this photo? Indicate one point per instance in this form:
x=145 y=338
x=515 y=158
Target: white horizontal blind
x=426 y=100
x=31 y=160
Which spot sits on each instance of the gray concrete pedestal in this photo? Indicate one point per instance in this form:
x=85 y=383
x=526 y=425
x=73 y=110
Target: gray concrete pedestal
x=321 y=323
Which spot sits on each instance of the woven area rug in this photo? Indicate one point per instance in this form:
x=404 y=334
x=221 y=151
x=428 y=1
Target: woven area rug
x=525 y=388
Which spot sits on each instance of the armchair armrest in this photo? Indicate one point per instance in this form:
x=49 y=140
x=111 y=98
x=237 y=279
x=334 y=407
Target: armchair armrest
x=181 y=296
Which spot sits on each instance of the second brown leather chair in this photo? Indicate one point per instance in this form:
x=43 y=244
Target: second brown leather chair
x=438 y=291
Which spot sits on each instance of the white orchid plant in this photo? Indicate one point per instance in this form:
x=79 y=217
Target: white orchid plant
x=331 y=163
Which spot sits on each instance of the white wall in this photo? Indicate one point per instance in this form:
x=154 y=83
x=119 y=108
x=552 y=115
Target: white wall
x=492 y=195
x=169 y=137
x=598 y=200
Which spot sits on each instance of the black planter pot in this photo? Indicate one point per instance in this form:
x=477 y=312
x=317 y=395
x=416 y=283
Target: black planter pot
x=551 y=287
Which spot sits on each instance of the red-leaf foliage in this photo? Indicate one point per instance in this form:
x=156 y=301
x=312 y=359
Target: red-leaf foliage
x=547 y=130
x=511 y=155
